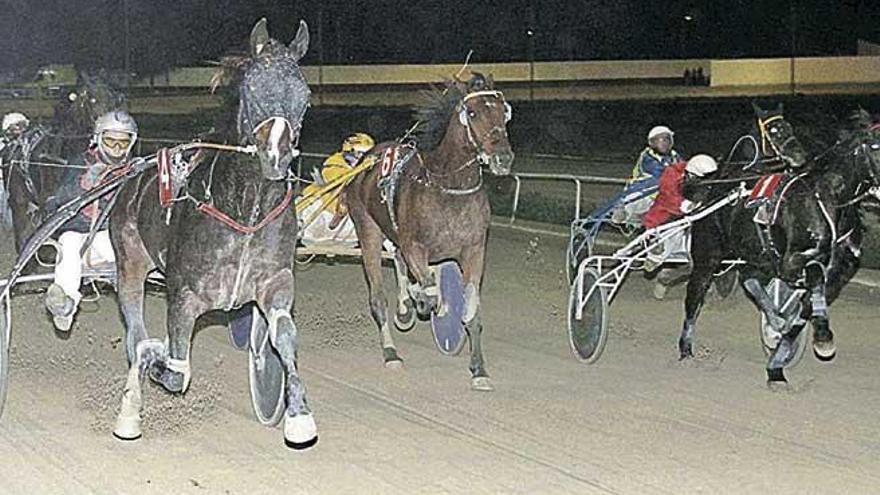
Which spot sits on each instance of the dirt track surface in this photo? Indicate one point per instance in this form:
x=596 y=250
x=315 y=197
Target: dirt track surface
x=638 y=422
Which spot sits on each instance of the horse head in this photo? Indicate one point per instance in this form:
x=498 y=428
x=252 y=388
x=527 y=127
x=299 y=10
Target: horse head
x=777 y=137
x=77 y=111
x=484 y=114
x=866 y=147
x=273 y=97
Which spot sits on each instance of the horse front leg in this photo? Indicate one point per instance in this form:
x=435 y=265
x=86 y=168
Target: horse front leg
x=823 y=338
x=698 y=285
x=276 y=301
x=759 y=296
x=472 y=264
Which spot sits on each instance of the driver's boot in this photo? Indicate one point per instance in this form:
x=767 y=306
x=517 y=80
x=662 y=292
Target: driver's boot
x=61 y=306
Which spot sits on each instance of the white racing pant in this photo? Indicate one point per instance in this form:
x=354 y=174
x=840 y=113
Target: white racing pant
x=676 y=248
x=69 y=265
x=319 y=231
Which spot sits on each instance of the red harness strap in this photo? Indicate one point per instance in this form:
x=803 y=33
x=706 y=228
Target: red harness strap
x=213 y=212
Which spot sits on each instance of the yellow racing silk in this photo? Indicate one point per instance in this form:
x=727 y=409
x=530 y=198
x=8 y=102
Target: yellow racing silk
x=334 y=166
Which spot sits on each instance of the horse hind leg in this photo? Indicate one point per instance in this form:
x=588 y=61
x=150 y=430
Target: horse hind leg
x=823 y=338
x=698 y=285
x=405 y=316
x=174 y=372
x=370 y=237
x=132 y=266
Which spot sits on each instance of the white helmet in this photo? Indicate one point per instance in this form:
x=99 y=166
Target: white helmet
x=701 y=165
x=658 y=130
x=14 y=118
x=115 y=135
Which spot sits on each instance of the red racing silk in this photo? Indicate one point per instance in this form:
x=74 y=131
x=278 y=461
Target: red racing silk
x=669 y=198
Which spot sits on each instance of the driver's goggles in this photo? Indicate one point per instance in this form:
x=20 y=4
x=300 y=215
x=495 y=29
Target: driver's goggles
x=120 y=143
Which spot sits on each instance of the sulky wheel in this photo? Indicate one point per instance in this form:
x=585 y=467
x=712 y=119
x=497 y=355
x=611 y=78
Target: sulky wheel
x=266 y=372
x=446 y=321
x=580 y=247
x=588 y=334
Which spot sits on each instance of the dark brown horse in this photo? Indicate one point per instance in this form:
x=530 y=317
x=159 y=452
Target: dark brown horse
x=429 y=200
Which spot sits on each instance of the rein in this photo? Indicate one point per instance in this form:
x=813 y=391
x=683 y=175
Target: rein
x=212 y=211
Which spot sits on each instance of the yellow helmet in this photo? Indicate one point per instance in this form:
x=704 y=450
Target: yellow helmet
x=358 y=143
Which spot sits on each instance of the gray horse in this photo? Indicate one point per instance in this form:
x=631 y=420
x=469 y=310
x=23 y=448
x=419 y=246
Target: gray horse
x=229 y=240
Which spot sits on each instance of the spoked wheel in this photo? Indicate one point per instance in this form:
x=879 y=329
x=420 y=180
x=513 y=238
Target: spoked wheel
x=266 y=372
x=447 y=325
x=579 y=248
x=4 y=352
x=588 y=334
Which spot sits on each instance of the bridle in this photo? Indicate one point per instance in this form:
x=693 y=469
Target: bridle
x=768 y=144
x=464 y=118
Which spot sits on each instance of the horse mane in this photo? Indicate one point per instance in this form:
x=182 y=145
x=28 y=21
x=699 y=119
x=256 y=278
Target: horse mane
x=434 y=114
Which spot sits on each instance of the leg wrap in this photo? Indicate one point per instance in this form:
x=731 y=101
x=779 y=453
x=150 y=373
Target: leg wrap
x=181 y=366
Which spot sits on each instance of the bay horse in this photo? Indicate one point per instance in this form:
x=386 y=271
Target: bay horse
x=230 y=238
x=811 y=242
x=37 y=161
x=431 y=203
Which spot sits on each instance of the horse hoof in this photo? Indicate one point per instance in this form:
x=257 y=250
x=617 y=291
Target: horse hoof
x=172 y=381
x=128 y=428
x=300 y=432
x=394 y=364
x=482 y=384
x=685 y=350
x=824 y=351
x=776 y=375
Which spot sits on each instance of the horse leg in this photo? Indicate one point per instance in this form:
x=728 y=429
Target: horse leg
x=698 y=285
x=756 y=292
x=276 y=301
x=370 y=237
x=823 y=337
x=405 y=316
x=132 y=266
x=472 y=264
x=174 y=372
x=428 y=297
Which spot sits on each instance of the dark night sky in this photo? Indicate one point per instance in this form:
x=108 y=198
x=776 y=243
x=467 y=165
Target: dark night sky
x=175 y=32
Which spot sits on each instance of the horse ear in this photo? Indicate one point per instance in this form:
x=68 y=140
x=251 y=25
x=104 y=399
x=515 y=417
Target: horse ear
x=259 y=37
x=300 y=44
x=490 y=82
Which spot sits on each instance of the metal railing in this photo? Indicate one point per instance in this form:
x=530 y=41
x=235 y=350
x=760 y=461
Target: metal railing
x=578 y=180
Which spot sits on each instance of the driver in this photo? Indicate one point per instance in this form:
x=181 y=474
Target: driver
x=651 y=163
x=326 y=226
x=113 y=138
